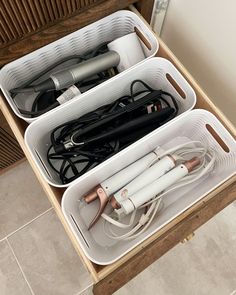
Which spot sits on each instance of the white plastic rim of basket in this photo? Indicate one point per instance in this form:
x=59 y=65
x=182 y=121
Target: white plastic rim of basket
x=154 y=71
x=193 y=125
x=108 y=28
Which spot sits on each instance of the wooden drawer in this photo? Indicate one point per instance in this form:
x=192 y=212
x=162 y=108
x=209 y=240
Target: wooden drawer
x=10 y=151
x=109 y=278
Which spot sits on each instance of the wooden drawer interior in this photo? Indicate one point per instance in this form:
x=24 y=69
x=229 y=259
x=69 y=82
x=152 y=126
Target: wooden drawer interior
x=167 y=237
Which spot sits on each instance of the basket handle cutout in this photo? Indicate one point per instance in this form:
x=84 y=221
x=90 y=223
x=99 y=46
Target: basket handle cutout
x=44 y=166
x=77 y=226
x=217 y=138
x=175 y=85
x=143 y=38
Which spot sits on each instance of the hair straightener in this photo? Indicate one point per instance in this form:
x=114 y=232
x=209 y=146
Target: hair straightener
x=83 y=143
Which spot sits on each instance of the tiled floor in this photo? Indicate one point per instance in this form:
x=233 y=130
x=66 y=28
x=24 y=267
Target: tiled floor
x=36 y=256
x=206 y=265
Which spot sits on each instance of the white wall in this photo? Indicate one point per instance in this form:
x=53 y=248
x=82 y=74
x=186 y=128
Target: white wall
x=202 y=34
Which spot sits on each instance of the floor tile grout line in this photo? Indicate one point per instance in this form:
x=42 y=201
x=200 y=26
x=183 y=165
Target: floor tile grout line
x=83 y=290
x=18 y=263
x=27 y=223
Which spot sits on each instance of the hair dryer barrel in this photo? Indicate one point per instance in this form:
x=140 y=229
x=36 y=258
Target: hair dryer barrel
x=88 y=68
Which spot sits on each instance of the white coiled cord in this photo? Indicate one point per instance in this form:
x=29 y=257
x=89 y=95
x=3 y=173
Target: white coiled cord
x=182 y=153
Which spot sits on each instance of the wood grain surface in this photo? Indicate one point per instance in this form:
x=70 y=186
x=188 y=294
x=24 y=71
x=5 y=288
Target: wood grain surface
x=26 y=25
x=10 y=151
x=146 y=8
x=57 y=19
x=22 y=17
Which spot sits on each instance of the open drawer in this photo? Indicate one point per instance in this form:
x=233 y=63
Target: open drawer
x=109 y=278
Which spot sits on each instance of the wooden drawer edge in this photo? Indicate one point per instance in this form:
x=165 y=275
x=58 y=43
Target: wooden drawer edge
x=52 y=193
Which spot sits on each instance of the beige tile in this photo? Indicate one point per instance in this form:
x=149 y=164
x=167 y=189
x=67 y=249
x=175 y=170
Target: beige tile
x=21 y=198
x=12 y=281
x=48 y=258
x=204 y=266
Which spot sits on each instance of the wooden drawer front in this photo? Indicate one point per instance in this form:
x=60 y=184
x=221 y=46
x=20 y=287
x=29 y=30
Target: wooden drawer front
x=21 y=18
x=10 y=151
x=110 y=278
x=26 y=25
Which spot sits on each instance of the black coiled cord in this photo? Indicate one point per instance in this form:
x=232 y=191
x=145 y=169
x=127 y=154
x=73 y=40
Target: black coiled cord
x=102 y=133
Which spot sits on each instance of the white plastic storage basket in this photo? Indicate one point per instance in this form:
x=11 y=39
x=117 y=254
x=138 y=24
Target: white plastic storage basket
x=194 y=125
x=153 y=71
x=107 y=29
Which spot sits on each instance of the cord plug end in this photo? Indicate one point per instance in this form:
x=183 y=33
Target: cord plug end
x=118 y=214
x=59 y=148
